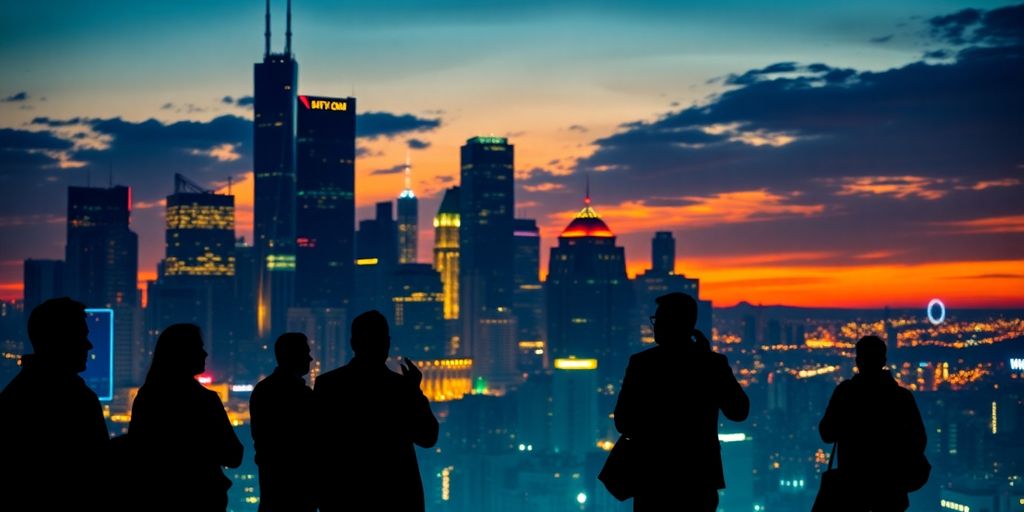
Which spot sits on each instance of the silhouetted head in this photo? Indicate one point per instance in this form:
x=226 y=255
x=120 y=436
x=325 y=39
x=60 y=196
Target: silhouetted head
x=179 y=353
x=370 y=336
x=870 y=354
x=675 y=318
x=292 y=352
x=59 y=334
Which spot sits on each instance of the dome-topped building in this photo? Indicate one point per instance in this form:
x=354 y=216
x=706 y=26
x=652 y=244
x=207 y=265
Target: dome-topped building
x=589 y=295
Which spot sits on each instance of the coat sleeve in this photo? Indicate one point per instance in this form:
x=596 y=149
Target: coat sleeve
x=831 y=425
x=733 y=400
x=625 y=404
x=227 y=447
x=424 y=426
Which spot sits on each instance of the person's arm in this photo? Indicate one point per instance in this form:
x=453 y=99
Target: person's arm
x=227 y=447
x=918 y=436
x=830 y=426
x=423 y=427
x=625 y=415
x=733 y=401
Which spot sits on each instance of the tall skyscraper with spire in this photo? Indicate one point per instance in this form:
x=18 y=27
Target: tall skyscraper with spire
x=486 y=281
x=446 y=250
x=408 y=217
x=275 y=81
x=589 y=296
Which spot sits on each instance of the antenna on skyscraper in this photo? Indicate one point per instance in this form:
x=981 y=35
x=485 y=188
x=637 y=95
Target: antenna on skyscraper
x=288 y=31
x=408 y=172
x=266 y=33
x=586 y=200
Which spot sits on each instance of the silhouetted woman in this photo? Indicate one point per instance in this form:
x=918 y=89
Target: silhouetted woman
x=180 y=433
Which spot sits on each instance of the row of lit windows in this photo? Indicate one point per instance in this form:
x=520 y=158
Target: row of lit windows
x=194 y=216
x=209 y=264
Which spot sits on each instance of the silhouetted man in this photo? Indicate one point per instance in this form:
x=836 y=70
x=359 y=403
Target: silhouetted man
x=281 y=408
x=370 y=417
x=51 y=423
x=668 y=408
x=878 y=429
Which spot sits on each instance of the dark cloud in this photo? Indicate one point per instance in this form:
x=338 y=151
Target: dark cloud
x=244 y=101
x=578 y=128
x=849 y=160
x=1003 y=26
x=417 y=144
x=47 y=121
x=228 y=100
x=881 y=39
x=20 y=96
x=13 y=139
x=390 y=170
x=384 y=124
x=167 y=106
x=444 y=179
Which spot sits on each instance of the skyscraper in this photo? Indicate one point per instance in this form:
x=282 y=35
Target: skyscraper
x=376 y=259
x=325 y=220
x=486 y=255
x=416 y=313
x=589 y=296
x=663 y=252
x=275 y=81
x=102 y=267
x=661 y=279
x=408 y=218
x=43 y=280
x=195 y=280
x=446 y=250
x=528 y=297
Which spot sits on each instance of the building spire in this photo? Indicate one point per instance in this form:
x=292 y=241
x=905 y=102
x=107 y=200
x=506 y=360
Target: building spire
x=586 y=200
x=408 y=172
x=288 y=32
x=266 y=32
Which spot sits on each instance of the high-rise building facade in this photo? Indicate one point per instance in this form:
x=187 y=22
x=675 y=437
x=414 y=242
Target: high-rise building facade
x=274 y=106
x=486 y=250
x=43 y=280
x=589 y=296
x=195 y=280
x=662 y=279
x=528 y=297
x=102 y=267
x=446 y=250
x=408 y=220
x=325 y=217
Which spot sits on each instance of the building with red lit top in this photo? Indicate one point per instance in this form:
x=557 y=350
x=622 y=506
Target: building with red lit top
x=589 y=296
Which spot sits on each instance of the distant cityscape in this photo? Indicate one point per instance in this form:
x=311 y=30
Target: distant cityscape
x=523 y=373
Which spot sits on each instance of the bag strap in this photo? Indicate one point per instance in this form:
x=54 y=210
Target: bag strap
x=833 y=456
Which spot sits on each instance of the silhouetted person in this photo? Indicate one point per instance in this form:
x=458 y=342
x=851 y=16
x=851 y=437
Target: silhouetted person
x=877 y=427
x=370 y=417
x=281 y=409
x=668 y=408
x=51 y=424
x=180 y=433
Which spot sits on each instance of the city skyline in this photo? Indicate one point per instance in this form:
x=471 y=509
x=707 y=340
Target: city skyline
x=944 y=224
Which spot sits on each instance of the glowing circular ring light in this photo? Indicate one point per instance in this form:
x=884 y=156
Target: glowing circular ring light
x=942 y=311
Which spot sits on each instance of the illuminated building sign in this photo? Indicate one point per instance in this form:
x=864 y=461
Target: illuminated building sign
x=936 y=312
x=488 y=140
x=314 y=103
x=366 y=261
x=1017 y=363
x=99 y=370
x=576 y=364
x=280 y=262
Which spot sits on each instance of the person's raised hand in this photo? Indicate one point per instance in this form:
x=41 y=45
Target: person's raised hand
x=411 y=373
